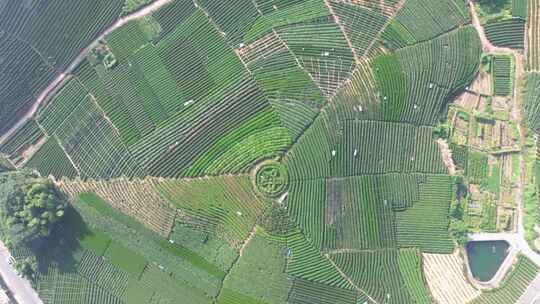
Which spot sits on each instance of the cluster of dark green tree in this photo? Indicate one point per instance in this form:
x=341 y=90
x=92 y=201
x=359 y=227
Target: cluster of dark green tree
x=4 y=164
x=30 y=210
x=458 y=227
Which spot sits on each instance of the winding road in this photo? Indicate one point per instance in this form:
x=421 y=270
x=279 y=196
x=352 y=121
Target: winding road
x=20 y=288
x=55 y=84
x=25 y=294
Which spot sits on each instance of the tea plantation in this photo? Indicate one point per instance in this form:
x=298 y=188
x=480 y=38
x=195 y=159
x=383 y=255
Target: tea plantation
x=251 y=151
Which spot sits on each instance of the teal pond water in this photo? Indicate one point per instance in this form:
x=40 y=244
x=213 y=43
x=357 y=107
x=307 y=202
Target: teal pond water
x=485 y=258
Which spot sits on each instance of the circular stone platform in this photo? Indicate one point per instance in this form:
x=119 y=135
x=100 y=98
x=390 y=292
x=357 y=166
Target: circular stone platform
x=271 y=179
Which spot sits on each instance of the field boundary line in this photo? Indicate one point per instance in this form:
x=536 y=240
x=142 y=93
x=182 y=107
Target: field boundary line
x=65 y=152
x=390 y=19
x=342 y=29
x=138 y=14
x=346 y=277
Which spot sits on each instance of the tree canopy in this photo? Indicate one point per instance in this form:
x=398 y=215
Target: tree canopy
x=32 y=210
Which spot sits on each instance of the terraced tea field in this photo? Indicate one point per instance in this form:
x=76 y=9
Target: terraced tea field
x=269 y=151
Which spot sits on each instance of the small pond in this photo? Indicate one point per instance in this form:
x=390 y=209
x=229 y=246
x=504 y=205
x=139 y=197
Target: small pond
x=485 y=258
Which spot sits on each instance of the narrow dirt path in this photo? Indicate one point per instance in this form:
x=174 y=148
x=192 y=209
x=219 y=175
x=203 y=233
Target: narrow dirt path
x=343 y=31
x=50 y=88
x=346 y=277
x=488 y=46
x=393 y=14
x=447 y=156
x=247 y=240
x=517 y=239
x=141 y=13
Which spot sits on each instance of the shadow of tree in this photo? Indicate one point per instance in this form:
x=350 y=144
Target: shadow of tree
x=62 y=247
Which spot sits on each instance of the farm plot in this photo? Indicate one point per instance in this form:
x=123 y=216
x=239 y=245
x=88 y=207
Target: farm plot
x=532 y=101
x=306 y=262
x=410 y=267
x=226 y=203
x=477 y=167
x=172 y=15
x=306 y=207
x=432 y=81
x=207 y=126
x=148 y=63
x=421 y=20
x=25 y=75
x=202 y=247
x=136 y=198
x=376 y=272
x=520 y=8
x=126 y=259
x=131 y=94
x=533 y=36
x=51 y=160
x=131 y=100
x=391 y=84
x=446 y=279
x=234 y=17
x=399 y=191
x=51 y=117
x=59 y=30
x=167 y=289
x=290 y=89
x=103 y=273
x=258 y=138
x=134 y=239
x=199 y=66
x=412 y=227
x=506 y=33
x=268 y=6
x=93 y=145
x=460 y=155
x=269 y=283
x=284 y=13
x=56 y=286
x=503 y=75
x=367 y=149
x=358 y=98
x=17 y=146
x=306 y=292
x=362 y=147
x=362 y=25
x=228 y=296
x=38 y=40
x=513 y=285
x=107 y=101
x=126 y=40
x=357 y=215
x=322 y=50
x=315 y=152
